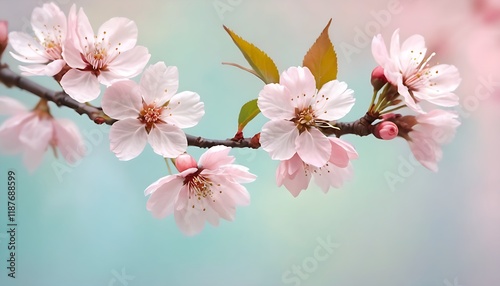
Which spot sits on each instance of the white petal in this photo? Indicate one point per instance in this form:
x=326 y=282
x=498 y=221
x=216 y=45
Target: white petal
x=119 y=33
x=10 y=130
x=275 y=102
x=164 y=193
x=189 y=221
x=301 y=85
x=313 y=147
x=236 y=193
x=238 y=173
x=351 y=152
x=29 y=50
x=50 y=69
x=334 y=101
x=69 y=140
x=278 y=139
x=412 y=53
x=215 y=157
x=379 y=50
x=129 y=63
x=426 y=151
x=159 y=83
x=300 y=181
x=184 y=110
x=10 y=106
x=84 y=31
x=82 y=86
x=122 y=100
x=167 y=140
x=36 y=133
x=49 y=22
x=32 y=158
x=127 y=138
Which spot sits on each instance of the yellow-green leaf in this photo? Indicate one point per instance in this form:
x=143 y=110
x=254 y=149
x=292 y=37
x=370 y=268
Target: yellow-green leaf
x=248 y=112
x=321 y=59
x=261 y=63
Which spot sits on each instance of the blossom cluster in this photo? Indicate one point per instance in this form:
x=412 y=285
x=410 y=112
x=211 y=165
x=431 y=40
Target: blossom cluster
x=302 y=110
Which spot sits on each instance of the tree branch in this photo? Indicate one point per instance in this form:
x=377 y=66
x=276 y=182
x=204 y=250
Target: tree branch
x=360 y=127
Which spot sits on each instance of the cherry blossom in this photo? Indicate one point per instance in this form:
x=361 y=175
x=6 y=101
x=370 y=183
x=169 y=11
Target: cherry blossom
x=296 y=110
x=33 y=132
x=105 y=57
x=426 y=133
x=44 y=51
x=201 y=193
x=407 y=67
x=151 y=112
x=295 y=174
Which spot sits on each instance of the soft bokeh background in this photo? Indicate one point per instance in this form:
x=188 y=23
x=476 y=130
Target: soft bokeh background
x=91 y=227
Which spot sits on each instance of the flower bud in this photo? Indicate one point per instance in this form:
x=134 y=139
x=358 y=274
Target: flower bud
x=4 y=39
x=184 y=162
x=386 y=130
x=378 y=78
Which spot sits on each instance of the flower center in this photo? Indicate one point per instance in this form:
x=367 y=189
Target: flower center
x=304 y=119
x=199 y=190
x=98 y=55
x=53 y=49
x=150 y=115
x=421 y=74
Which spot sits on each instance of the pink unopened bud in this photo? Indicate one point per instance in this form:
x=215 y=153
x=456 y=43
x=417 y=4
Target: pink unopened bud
x=184 y=162
x=4 y=38
x=378 y=78
x=386 y=130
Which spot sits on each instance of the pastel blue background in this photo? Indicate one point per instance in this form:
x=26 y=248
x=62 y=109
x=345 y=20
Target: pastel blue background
x=90 y=226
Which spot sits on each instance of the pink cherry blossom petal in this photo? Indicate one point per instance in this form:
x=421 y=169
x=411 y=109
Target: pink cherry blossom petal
x=120 y=34
x=184 y=110
x=215 y=157
x=129 y=63
x=69 y=141
x=122 y=100
x=50 y=69
x=351 y=152
x=47 y=21
x=339 y=156
x=299 y=182
x=334 y=100
x=164 y=194
x=313 y=147
x=167 y=140
x=36 y=132
x=81 y=86
x=301 y=85
x=190 y=222
x=10 y=131
x=32 y=158
x=379 y=50
x=275 y=102
x=127 y=138
x=10 y=106
x=278 y=138
x=30 y=51
x=159 y=83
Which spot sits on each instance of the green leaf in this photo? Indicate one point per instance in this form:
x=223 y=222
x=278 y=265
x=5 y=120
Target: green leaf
x=248 y=112
x=261 y=63
x=321 y=59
